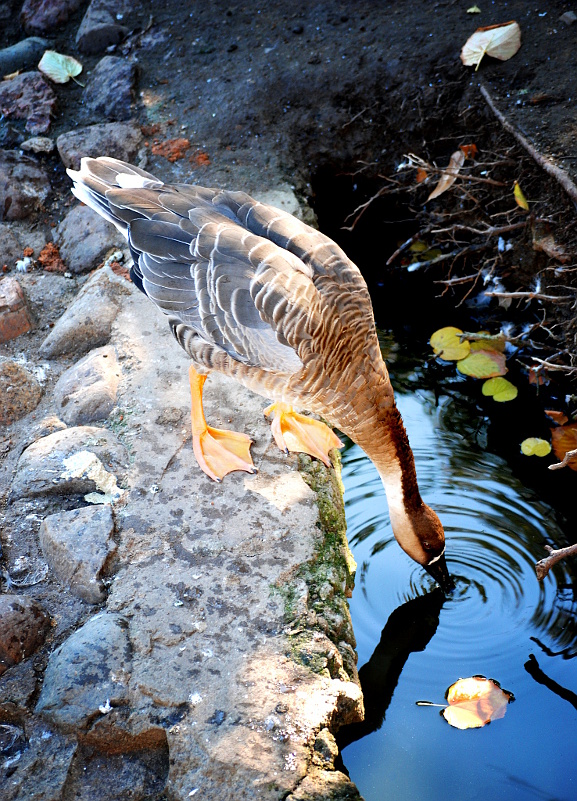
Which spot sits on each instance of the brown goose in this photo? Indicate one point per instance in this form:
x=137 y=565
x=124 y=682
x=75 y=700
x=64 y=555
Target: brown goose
x=252 y=292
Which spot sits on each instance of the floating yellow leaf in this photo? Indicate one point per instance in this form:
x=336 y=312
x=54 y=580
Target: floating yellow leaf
x=564 y=439
x=533 y=446
x=59 y=68
x=499 y=41
x=448 y=178
x=500 y=389
x=483 y=364
x=447 y=344
x=520 y=198
x=475 y=701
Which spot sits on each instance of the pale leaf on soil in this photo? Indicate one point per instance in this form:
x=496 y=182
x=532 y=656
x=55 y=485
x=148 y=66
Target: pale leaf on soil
x=520 y=198
x=59 y=68
x=474 y=702
x=448 y=178
x=447 y=345
x=499 y=41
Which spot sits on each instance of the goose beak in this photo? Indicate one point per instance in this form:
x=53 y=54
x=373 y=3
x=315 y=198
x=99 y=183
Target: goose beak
x=439 y=571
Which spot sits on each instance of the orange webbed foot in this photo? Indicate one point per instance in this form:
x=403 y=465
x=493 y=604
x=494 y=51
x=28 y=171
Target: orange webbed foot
x=296 y=432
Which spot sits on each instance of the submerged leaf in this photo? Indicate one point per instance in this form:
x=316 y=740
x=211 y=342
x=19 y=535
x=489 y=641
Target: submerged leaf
x=534 y=446
x=448 y=178
x=500 y=389
x=59 y=68
x=447 y=345
x=483 y=364
x=564 y=439
x=500 y=41
x=475 y=701
x=520 y=198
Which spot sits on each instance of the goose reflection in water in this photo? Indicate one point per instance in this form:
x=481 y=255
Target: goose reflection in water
x=409 y=628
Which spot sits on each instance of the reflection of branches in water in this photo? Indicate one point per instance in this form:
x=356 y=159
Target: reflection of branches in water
x=409 y=628
x=530 y=789
x=533 y=669
x=566 y=653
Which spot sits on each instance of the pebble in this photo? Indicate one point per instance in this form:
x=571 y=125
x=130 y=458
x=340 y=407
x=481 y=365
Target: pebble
x=15 y=318
x=28 y=97
x=87 y=322
x=38 y=144
x=23 y=55
x=23 y=185
x=102 y=25
x=40 y=16
x=19 y=390
x=89 y=671
x=86 y=392
x=43 y=469
x=76 y=545
x=119 y=140
x=109 y=92
x=84 y=238
x=23 y=628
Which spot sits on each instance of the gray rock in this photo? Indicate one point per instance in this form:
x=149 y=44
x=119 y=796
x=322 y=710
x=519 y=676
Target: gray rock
x=87 y=391
x=40 y=16
x=76 y=545
x=87 y=322
x=52 y=465
x=23 y=185
x=38 y=144
x=88 y=673
x=28 y=97
x=42 y=768
x=136 y=775
x=109 y=92
x=22 y=55
x=101 y=26
x=120 y=140
x=23 y=628
x=19 y=390
x=84 y=238
x=10 y=246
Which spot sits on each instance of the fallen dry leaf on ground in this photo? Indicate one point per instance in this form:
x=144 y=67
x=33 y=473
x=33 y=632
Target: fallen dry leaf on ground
x=59 y=68
x=499 y=41
x=448 y=178
x=520 y=198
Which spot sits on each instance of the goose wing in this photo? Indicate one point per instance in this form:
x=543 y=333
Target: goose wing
x=240 y=275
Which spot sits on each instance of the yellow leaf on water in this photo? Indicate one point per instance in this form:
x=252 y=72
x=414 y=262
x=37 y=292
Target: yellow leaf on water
x=500 y=389
x=447 y=345
x=474 y=702
x=448 y=178
x=59 y=68
x=483 y=364
x=520 y=198
x=534 y=446
x=499 y=41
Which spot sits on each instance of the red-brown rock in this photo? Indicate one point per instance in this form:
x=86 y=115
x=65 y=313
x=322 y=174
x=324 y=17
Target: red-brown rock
x=14 y=315
x=23 y=628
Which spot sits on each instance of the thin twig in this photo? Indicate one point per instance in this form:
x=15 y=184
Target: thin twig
x=444 y=256
x=566 y=459
x=544 y=565
x=559 y=174
x=551 y=366
x=491 y=230
x=529 y=296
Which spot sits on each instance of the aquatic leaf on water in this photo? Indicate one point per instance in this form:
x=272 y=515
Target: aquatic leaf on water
x=483 y=364
x=474 y=702
x=59 y=68
x=500 y=389
x=564 y=439
x=520 y=198
x=489 y=342
x=499 y=41
x=448 y=178
x=470 y=151
x=447 y=345
x=534 y=446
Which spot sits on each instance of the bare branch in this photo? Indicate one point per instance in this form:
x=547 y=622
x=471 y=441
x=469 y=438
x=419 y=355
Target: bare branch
x=566 y=459
x=544 y=565
x=530 y=296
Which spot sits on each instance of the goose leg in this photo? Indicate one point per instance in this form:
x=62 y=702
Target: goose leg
x=217 y=452
x=296 y=432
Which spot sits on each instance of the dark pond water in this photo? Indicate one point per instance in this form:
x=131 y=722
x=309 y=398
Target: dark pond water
x=500 y=622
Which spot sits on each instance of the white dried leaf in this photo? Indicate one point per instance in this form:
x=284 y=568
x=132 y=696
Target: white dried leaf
x=448 y=178
x=59 y=68
x=499 y=41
